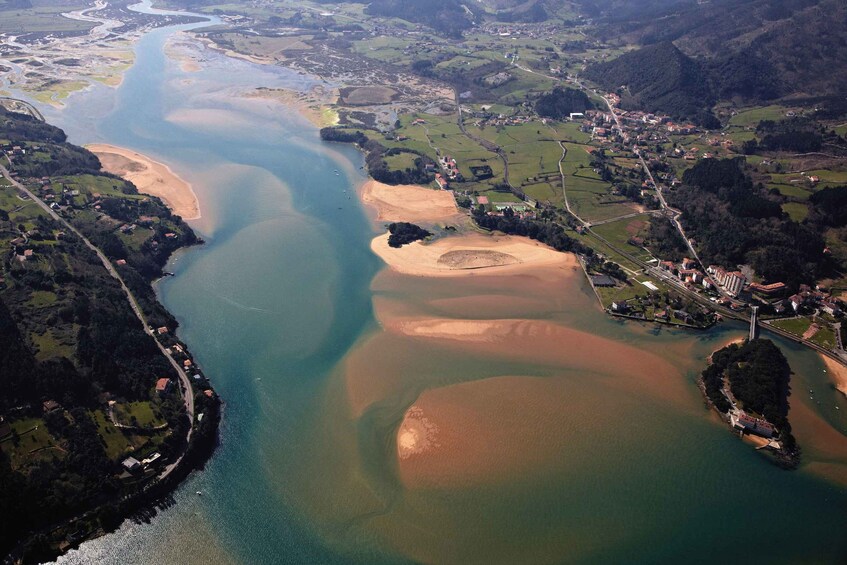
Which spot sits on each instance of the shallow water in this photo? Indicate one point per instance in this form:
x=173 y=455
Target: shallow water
x=582 y=439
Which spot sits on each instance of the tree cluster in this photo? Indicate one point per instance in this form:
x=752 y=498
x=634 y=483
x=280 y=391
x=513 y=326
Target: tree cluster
x=735 y=222
x=375 y=154
x=404 y=232
x=561 y=102
x=546 y=232
x=759 y=377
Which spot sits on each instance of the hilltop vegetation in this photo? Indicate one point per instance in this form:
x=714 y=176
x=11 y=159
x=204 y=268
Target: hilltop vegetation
x=754 y=50
x=759 y=377
x=450 y=17
x=659 y=78
x=404 y=232
x=736 y=222
x=561 y=102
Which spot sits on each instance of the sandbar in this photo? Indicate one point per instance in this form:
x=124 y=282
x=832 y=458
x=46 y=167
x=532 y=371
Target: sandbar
x=470 y=254
x=150 y=177
x=837 y=373
x=408 y=203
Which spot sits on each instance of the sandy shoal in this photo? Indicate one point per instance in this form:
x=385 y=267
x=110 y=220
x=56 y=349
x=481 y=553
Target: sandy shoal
x=150 y=177
x=469 y=254
x=407 y=203
x=837 y=373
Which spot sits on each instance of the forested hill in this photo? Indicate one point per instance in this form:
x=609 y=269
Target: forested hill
x=561 y=102
x=446 y=17
x=659 y=78
x=754 y=50
x=736 y=222
x=74 y=358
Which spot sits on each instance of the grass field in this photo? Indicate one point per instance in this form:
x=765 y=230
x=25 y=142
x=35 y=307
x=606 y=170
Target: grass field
x=116 y=442
x=825 y=337
x=42 y=19
x=52 y=346
x=589 y=196
x=401 y=162
x=794 y=190
x=797 y=326
x=141 y=414
x=42 y=298
x=753 y=116
x=796 y=210
x=34 y=443
x=618 y=233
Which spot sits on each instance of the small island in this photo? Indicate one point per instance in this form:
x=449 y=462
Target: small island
x=748 y=384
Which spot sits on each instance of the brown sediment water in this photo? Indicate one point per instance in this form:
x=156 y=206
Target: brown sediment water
x=491 y=414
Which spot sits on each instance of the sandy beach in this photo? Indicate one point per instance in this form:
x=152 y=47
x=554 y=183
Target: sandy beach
x=405 y=203
x=471 y=254
x=837 y=373
x=150 y=177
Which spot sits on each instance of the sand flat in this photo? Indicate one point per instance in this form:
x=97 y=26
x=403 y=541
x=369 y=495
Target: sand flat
x=407 y=203
x=837 y=373
x=150 y=177
x=467 y=254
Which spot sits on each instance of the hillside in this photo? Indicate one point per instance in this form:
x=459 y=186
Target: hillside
x=659 y=78
x=754 y=50
x=78 y=373
x=447 y=17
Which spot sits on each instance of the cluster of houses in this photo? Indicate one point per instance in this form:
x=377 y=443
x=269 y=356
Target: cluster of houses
x=807 y=297
x=450 y=168
x=687 y=272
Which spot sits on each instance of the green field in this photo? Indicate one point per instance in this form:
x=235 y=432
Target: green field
x=34 y=443
x=589 y=196
x=140 y=414
x=52 y=344
x=401 y=161
x=825 y=337
x=796 y=210
x=753 y=116
x=42 y=18
x=117 y=443
x=42 y=298
x=797 y=326
x=618 y=233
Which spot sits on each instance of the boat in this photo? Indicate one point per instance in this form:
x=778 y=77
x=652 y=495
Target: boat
x=199 y=493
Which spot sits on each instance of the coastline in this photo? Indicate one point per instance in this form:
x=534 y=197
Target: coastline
x=200 y=441
x=782 y=455
x=149 y=177
x=837 y=373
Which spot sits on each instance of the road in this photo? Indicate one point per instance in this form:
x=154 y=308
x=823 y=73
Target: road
x=675 y=214
x=187 y=396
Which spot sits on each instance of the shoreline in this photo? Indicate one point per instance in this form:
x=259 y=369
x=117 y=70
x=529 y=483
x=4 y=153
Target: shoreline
x=150 y=177
x=837 y=373
x=783 y=457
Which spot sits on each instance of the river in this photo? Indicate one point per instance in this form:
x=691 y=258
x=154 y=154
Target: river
x=573 y=455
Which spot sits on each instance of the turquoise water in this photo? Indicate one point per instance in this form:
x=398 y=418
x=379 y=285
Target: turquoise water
x=281 y=294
